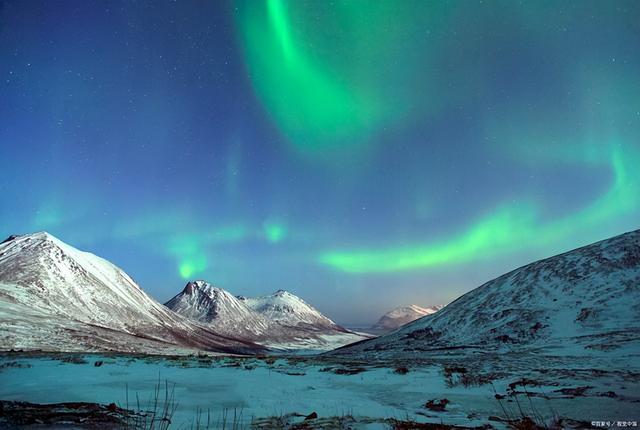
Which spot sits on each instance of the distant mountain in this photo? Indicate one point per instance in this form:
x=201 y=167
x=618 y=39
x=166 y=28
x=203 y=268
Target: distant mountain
x=279 y=320
x=583 y=302
x=54 y=297
x=403 y=315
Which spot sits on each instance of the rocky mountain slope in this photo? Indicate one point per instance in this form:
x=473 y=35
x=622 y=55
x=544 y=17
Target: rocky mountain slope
x=403 y=315
x=57 y=298
x=582 y=302
x=279 y=320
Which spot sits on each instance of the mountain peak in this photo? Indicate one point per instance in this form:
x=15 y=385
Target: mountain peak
x=39 y=235
x=203 y=302
x=207 y=289
x=403 y=315
x=42 y=235
x=10 y=238
x=198 y=285
x=281 y=318
x=288 y=309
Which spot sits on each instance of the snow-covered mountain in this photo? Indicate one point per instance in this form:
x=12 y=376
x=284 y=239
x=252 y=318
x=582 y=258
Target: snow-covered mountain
x=582 y=302
x=289 y=309
x=205 y=303
x=403 y=315
x=55 y=297
x=280 y=320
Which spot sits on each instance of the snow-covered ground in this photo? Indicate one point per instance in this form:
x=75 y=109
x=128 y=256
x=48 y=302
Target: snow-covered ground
x=256 y=388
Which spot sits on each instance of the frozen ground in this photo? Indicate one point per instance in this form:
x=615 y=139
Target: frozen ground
x=257 y=388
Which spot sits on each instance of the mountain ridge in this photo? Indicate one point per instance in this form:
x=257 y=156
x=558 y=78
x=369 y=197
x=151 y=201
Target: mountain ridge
x=287 y=308
x=278 y=320
x=56 y=297
x=202 y=301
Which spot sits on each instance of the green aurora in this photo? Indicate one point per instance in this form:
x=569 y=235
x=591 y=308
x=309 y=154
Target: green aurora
x=350 y=151
x=504 y=231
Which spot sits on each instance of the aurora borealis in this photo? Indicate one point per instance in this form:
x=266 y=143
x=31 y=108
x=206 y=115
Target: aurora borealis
x=362 y=155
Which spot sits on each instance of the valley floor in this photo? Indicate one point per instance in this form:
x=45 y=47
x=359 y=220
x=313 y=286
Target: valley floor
x=269 y=392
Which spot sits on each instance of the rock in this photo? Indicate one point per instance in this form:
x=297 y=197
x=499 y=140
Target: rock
x=437 y=405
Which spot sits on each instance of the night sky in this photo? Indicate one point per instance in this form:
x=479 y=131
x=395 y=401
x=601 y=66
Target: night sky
x=361 y=154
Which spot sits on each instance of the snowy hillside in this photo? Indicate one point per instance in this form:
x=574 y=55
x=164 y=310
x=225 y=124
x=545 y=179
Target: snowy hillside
x=280 y=320
x=55 y=297
x=580 y=302
x=403 y=315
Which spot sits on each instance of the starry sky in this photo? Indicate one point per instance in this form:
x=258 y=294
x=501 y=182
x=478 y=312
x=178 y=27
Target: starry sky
x=363 y=155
